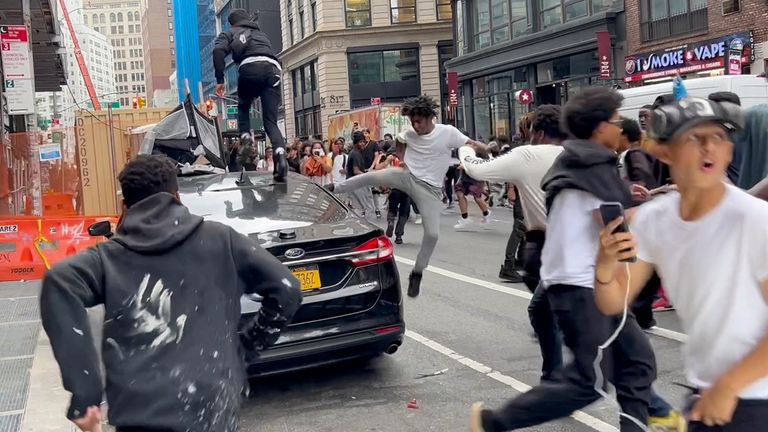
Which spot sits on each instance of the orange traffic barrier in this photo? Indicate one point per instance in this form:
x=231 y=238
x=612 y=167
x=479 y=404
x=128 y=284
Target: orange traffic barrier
x=30 y=246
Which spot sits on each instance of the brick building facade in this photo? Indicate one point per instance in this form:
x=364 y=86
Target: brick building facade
x=698 y=22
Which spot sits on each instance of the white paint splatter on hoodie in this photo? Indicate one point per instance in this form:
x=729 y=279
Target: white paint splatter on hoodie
x=153 y=315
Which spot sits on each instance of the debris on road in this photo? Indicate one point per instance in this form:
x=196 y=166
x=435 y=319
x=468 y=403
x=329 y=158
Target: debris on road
x=440 y=372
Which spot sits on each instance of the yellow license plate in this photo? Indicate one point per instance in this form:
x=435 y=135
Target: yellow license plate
x=309 y=278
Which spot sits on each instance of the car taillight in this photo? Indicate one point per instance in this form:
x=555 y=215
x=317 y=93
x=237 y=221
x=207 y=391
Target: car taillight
x=373 y=251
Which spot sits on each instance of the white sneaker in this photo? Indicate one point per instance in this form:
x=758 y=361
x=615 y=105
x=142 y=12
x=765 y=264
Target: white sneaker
x=487 y=218
x=463 y=225
x=418 y=219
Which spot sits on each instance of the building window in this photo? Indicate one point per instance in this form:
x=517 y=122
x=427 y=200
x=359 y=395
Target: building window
x=130 y=16
x=290 y=31
x=103 y=19
x=444 y=11
x=402 y=11
x=313 y=14
x=301 y=19
x=170 y=25
x=169 y=12
x=496 y=21
x=661 y=19
x=170 y=38
x=306 y=101
x=358 y=13
x=113 y=29
x=119 y=17
x=112 y=18
x=383 y=66
x=130 y=28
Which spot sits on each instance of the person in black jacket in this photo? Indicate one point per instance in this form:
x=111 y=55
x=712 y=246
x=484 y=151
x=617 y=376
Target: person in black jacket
x=171 y=285
x=259 y=77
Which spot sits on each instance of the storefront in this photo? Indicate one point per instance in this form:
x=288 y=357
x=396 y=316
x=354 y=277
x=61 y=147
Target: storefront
x=731 y=54
x=554 y=64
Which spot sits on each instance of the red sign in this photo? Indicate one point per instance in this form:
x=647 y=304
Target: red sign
x=525 y=97
x=13 y=33
x=453 y=89
x=604 y=54
x=376 y=101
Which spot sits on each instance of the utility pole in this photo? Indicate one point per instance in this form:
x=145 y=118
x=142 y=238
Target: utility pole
x=31 y=123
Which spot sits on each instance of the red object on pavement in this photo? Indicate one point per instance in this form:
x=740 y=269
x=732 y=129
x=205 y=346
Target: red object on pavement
x=412 y=404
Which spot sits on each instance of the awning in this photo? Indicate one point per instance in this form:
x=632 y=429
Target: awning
x=46 y=34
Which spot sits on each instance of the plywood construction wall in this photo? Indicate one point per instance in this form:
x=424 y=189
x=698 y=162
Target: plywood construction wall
x=98 y=161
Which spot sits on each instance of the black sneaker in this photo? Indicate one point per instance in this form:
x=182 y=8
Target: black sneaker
x=281 y=166
x=390 y=229
x=398 y=240
x=414 y=284
x=509 y=275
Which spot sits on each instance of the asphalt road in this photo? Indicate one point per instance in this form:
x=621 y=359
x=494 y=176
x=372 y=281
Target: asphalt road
x=465 y=321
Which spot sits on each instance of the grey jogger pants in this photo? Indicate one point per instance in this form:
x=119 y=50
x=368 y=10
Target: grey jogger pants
x=427 y=199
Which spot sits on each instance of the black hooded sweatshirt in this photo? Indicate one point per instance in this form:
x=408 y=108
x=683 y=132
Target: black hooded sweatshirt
x=242 y=28
x=587 y=166
x=171 y=286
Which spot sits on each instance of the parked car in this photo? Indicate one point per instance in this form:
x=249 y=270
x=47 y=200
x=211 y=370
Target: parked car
x=352 y=300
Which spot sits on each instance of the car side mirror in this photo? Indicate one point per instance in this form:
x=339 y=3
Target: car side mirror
x=100 y=229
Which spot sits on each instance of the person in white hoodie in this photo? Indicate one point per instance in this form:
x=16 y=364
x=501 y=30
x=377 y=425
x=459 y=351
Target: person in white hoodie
x=525 y=167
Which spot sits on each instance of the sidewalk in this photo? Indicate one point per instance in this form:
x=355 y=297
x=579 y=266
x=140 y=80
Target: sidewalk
x=31 y=396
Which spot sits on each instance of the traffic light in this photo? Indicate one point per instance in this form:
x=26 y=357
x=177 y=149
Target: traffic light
x=135 y=103
x=208 y=105
x=142 y=102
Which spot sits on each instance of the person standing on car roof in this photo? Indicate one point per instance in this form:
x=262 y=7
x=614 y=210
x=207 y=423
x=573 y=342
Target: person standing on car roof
x=259 y=77
x=427 y=155
x=171 y=285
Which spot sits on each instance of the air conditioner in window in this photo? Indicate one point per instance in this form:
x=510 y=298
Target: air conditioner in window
x=730 y=6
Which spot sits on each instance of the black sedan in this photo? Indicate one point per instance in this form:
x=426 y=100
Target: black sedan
x=352 y=301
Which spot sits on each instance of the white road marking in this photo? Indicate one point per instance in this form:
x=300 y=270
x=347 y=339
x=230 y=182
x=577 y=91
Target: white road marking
x=580 y=416
x=656 y=331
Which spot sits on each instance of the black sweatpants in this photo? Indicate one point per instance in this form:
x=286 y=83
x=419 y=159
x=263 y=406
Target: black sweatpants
x=260 y=80
x=751 y=415
x=451 y=177
x=399 y=210
x=629 y=364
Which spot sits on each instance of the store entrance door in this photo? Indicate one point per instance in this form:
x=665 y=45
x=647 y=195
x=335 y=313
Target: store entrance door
x=550 y=94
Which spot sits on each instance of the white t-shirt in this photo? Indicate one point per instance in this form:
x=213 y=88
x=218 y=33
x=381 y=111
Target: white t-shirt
x=339 y=164
x=523 y=166
x=570 y=250
x=711 y=270
x=429 y=156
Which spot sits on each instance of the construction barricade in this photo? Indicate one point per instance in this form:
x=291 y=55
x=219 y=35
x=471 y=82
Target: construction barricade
x=30 y=246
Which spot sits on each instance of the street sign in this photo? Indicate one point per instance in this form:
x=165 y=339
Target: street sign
x=21 y=98
x=17 y=69
x=376 y=101
x=50 y=152
x=232 y=124
x=14 y=44
x=525 y=97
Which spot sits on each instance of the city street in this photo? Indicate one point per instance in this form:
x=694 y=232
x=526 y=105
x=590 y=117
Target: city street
x=465 y=321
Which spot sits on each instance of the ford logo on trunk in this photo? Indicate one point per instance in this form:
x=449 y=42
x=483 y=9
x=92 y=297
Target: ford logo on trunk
x=294 y=253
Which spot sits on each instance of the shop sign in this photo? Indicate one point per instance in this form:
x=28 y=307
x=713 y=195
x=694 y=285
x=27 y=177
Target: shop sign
x=524 y=96
x=604 y=54
x=453 y=89
x=376 y=101
x=689 y=58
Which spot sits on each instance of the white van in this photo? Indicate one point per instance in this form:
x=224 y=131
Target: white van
x=751 y=89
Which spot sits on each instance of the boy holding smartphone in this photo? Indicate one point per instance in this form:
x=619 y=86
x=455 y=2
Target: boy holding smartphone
x=709 y=243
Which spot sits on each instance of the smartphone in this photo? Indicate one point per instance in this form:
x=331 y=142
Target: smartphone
x=611 y=211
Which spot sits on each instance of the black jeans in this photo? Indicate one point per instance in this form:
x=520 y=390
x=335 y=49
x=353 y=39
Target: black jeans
x=643 y=306
x=550 y=342
x=260 y=80
x=531 y=257
x=629 y=363
x=450 y=179
x=516 y=241
x=750 y=415
x=399 y=209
